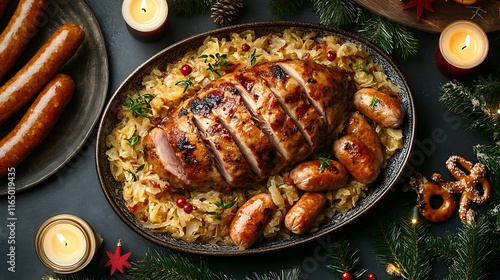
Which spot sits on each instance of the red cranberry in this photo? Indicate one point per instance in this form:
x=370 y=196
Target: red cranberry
x=346 y=276
x=245 y=47
x=181 y=201
x=186 y=69
x=331 y=55
x=371 y=276
x=188 y=208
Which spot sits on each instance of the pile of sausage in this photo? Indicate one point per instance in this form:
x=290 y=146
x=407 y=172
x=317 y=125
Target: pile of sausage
x=38 y=81
x=358 y=154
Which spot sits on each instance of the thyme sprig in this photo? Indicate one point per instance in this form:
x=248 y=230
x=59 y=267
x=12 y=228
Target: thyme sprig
x=360 y=67
x=221 y=206
x=220 y=62
x=254 y=56
x=133 y=140
x=133 y=173
x=186 y=83
x=324 y=162
x=140 y=105
x=374 y=102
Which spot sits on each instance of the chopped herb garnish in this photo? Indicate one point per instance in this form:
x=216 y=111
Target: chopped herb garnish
x=140 y=105
x=134 y=172
x=360 y=67
x=324 y=163
x=186 y=83
x=221 y=207
x=253 y=57
x=220 y=63
x=374 y=101
x=133 y=140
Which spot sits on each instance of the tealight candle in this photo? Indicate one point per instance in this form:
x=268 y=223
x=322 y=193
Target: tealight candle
x=146 y=20
x=463 y=45
x=66 y=243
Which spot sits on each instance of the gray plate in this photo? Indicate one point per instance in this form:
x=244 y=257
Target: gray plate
x=388 y=178
x=89 y=70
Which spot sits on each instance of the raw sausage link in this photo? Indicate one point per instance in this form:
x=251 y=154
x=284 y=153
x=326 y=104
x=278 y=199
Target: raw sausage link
x=36 y=123
x=382 y=108
x=304 y=212
x=307 y=175
x=20 y=30
x=359 y=126
x=356 y=158
x=251 y=219
x=28 y=81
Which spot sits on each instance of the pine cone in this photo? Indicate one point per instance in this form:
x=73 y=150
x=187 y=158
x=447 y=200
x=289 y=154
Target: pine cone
x=226 y=11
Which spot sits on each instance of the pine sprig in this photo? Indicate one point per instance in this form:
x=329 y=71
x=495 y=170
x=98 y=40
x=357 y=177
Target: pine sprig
x=477 y=104
x=156 y=265
x=489 y=155
x=468 y=251
x=345 y=259
x=288 y=274
x=285 y=7
x=380 y=32
x=337 y=13
x=402 y=245
x=191 y=7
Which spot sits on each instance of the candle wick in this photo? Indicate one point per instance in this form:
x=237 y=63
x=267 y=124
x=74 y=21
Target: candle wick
x=464 y=47
x=143 y=9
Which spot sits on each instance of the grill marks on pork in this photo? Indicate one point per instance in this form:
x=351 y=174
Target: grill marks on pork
x=293 y=100
x=248 y=125
x=324 y=88
x=270 y=116
x=229 y=160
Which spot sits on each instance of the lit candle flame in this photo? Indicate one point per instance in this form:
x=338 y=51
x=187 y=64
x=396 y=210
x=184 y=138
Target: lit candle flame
x=466 y=42
x=144 y=6
x=62 y=239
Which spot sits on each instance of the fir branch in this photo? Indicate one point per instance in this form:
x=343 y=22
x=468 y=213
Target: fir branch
x=156 y=265
x=344 y=258
x=190 y=7
x=489 y=155
x=468 y=251
x=380 y=32
x=285 y=7
x=288 y=274
x=337 y=13
x=405 y=43
x=403 y=245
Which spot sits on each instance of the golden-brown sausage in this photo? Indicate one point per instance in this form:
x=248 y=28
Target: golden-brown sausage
x=251 y=219
x=359 y=126
x=356 y=158
x=382 y=108
x=36 y=123
x=20 y=30
x=28 y=81
x=319 y=175
x=304 y=212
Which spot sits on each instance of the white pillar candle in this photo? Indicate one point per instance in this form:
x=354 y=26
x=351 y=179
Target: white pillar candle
x=145 y=19
x=66 y=243
x=463 y=45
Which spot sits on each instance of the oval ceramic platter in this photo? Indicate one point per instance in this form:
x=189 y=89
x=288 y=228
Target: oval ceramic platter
x=388 y=178
x=89 y=69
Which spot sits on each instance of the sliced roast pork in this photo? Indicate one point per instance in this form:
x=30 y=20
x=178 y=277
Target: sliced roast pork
x=249 y=125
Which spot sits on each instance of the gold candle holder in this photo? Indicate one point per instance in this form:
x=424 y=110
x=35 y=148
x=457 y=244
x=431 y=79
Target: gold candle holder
x=66 y=243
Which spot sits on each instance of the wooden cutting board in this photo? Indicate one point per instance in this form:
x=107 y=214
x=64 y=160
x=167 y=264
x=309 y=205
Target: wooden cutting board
x=486 y=13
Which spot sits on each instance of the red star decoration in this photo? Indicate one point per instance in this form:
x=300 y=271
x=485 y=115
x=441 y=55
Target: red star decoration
x=421 y=5
x=116 y=260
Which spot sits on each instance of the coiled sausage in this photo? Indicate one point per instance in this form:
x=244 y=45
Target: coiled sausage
x=36 y=123
x=28 y=81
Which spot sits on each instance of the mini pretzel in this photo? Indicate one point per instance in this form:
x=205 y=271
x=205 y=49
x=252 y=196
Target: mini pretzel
x=465 y=184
